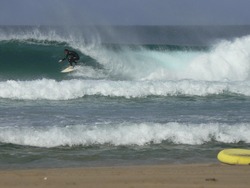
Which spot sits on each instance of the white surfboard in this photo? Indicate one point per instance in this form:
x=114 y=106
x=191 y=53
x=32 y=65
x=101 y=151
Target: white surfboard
x=68 y=69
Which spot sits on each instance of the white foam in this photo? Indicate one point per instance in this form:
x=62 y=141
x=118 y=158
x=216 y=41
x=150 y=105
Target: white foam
x=125 y=134
x=88 y=72
x=77 y=88
x=227 y=60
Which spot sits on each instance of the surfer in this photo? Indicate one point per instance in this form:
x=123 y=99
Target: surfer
x=72 y=56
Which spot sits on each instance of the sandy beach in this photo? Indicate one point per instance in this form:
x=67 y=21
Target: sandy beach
x=191 y=175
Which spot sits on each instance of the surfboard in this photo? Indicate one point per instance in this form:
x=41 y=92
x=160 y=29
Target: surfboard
x=68 y=69
x=235 y=156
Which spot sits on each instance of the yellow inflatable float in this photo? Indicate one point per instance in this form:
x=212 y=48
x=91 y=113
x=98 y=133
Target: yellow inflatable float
x=235 y=156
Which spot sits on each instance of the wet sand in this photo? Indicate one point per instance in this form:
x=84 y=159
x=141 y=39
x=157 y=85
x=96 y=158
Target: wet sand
x=190 y=175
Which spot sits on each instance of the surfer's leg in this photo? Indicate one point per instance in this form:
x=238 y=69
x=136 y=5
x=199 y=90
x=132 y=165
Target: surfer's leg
x=71 y=61
x=75 y=60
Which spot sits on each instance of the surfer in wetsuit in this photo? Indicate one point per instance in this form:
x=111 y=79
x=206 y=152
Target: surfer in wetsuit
x=72 y=56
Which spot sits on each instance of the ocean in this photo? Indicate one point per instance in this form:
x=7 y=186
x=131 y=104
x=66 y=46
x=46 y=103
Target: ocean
x=140 y=95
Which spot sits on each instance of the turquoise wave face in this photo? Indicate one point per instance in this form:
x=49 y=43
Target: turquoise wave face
x=29 y=59
x=20 y=60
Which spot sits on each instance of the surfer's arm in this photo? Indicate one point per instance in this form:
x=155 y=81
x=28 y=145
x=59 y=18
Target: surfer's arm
x=61 y=60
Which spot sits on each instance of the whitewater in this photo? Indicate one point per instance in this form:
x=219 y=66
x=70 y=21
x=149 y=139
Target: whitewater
x=126 y=103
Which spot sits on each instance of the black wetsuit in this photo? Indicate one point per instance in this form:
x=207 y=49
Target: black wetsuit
x=72 y=57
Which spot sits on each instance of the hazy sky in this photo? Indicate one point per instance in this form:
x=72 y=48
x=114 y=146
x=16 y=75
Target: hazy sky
x=124 y=12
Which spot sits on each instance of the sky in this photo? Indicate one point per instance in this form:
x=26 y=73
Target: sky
x=124 y=12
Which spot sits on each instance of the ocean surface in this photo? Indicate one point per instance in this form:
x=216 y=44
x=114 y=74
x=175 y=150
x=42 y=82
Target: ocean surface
x=140 y=95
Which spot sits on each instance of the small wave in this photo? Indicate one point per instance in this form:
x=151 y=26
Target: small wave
x=77 y=88
x=125 y=134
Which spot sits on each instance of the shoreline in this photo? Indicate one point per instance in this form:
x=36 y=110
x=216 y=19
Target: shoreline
x=177 y=175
